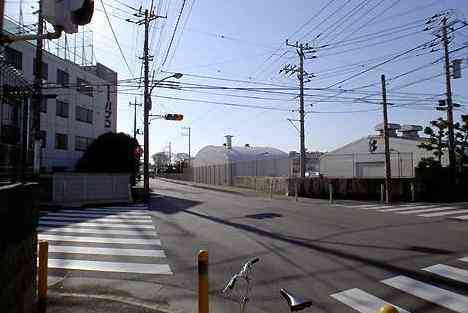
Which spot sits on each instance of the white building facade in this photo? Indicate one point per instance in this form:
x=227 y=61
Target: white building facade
x=81 y=104
x=357 y=160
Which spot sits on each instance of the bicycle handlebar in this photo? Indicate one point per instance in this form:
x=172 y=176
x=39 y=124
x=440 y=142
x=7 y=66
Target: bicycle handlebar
x=230 y=285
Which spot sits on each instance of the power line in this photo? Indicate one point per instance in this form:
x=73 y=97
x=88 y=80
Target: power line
x=173 y=34
x=116 y=40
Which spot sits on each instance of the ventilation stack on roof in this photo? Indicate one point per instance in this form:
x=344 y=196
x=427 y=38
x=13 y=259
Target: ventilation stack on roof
x=228 y=141
x=392 y=129
x=410 y=131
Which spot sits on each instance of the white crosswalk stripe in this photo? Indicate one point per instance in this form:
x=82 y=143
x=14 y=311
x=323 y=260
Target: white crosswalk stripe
x=417 y=209
x=365 y=302
x=362 y=301
x=95 y=224
x=449 y=272
x=444 y=213
x=97 y=240
x=439 y=296
x=100 y=219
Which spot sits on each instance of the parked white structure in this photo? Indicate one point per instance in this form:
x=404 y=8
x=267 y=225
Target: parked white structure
x=219 y=165
x=84 y=108
x=356 y=160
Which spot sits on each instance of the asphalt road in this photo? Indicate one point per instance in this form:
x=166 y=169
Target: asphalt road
x=336 y=255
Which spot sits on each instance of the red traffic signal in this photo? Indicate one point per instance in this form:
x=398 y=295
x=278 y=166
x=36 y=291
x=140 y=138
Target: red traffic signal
x=138 y=152
x=174 y=117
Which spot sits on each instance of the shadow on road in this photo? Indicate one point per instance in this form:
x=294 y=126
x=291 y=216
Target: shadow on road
x=170 y=205
x=313 y=245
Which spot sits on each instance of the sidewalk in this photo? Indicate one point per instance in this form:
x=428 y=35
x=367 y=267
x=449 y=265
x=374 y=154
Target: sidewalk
x=228 y=189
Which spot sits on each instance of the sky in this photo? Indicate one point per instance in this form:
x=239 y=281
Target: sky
x=241 y=44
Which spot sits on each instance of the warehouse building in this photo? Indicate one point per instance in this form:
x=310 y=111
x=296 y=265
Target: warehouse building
x=365 y=157
x=219 y=165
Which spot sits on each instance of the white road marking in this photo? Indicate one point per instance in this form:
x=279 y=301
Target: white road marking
x=377 y=207
x=107 y=251
x=431 y=210
x=439 y=296
x=449 y=272
x=444 y=213
x=99 y=219
x=407 y=208
x=98 y=225
x=362 y=301
x=121 y=267
x=91 y=215
x=89 y=231
x=139 y=211
x=463 y=217
x=465 y=259
x=357 y=206
x=137 y=241
x=102 y=212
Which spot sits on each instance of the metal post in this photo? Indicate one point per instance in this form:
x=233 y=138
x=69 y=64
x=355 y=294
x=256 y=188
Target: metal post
x=42 y=274
x=295 y=190
x=271 y=188
x=330 y=189
x=146 y=107
x=451 y=136
x=382 y=192
x=203 y=304
x=413 y=195
x=388 y=171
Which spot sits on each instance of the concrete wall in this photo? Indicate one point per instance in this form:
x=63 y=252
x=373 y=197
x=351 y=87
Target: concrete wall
x=18 y=222
x=82 y=188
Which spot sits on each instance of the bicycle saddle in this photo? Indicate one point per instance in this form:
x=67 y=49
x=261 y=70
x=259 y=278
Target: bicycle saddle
x=295 y=303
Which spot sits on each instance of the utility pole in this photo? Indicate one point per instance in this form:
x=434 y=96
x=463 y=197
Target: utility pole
x=301 y=50
x=451 y=136
x=189 y=149
x=2 y=13
x=146 y=18
x=388 y=168
x=170 y=152
x=37 y=98
x=135 y=104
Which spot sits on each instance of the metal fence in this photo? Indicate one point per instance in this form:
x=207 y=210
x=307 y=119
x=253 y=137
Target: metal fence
x=225 y=174
x=366 y=165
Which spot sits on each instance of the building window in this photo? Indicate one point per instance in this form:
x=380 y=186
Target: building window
x=43 y=136
x=84 y=87
x=82 y=143
x=84 y=115
x=14 y=58
x=45 y=69
x=44 y=105
x=61 y=141
x=62 y=109
x=63 y=78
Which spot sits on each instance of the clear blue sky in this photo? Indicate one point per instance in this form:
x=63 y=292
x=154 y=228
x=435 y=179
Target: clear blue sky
x=244 y=40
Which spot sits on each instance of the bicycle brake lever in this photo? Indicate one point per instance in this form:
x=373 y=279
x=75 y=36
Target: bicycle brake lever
x=230 y=284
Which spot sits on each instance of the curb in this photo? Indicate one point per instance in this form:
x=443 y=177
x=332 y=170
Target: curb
x=157 y=308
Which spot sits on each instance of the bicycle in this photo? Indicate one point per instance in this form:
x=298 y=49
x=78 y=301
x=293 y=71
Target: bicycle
x=295 y=303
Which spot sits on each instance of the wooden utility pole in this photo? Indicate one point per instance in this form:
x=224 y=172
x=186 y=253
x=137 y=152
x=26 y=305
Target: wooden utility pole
x=388 y=167
x=451 y=136
x=146 y=105
x=2 y=13
x=135 y=104
x=301 y=50
x=37 y=98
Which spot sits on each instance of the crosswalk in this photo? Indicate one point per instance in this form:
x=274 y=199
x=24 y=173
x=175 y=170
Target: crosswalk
x=458 y=211
x=109 y=240
x=365 y=302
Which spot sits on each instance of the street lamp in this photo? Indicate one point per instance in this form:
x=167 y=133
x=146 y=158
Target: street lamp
x=148 y=105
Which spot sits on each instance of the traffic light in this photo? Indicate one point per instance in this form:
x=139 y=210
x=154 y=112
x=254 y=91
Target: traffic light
x=68 y=14
x=174 y=117
x=372 y=145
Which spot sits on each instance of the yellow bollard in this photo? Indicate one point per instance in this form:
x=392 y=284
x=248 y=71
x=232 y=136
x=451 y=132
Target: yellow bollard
x=203 y=281
x=387 y=308
x=42 y=275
